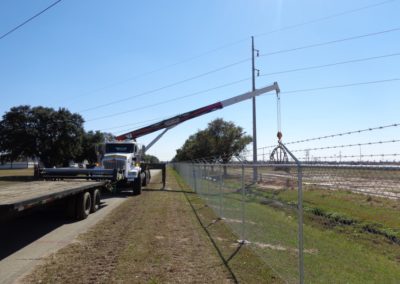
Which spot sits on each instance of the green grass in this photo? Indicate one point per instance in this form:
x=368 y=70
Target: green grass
x=347 y=236
x=247 y=266
x=370 y=214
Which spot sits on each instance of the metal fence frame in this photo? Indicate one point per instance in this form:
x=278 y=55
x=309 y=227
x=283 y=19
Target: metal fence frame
x=205 y=173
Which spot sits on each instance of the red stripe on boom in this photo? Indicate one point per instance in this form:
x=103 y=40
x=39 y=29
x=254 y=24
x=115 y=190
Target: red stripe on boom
x=170 y=122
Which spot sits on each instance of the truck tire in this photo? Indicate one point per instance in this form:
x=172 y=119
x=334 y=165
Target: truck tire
x=95 y=201
x=144 y=179
x=83 y=205
x=137 y=186
x=147 y=178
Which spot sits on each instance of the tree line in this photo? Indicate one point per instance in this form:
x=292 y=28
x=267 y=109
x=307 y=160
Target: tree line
x=55 y=137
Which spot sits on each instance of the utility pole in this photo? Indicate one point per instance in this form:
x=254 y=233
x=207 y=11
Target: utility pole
x=253 y=71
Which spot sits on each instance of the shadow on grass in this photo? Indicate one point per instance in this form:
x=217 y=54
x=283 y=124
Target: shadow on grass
x=167 y=190
x=206 y=230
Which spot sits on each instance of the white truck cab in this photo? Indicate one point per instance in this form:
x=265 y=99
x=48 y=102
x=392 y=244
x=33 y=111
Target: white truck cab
x=125 y=156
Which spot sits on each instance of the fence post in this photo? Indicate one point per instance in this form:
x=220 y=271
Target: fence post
x=300 y=208
x=208 y=184
x=243 y=239
x=204 y=179
x=220 y=192
x=300 y=213
x=194 y=178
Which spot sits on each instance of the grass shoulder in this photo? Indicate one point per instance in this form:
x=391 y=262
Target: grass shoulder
x=242 y=261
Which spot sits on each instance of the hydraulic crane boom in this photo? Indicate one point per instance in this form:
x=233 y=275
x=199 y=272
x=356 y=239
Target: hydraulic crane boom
x=173 y=121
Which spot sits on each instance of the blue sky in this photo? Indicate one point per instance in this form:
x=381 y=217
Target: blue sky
x=84 y=54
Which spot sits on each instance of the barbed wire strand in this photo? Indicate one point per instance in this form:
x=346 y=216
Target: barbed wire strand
x=346 y=145
x=336 y=135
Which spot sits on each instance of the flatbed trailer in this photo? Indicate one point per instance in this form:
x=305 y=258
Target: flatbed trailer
x=78 y=197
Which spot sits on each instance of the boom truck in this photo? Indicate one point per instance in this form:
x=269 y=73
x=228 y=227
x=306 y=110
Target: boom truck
x=121 y=166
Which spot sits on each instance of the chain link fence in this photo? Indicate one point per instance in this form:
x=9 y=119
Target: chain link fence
x=341 y=230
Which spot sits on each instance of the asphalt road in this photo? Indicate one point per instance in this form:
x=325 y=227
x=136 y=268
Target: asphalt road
x=26 y=240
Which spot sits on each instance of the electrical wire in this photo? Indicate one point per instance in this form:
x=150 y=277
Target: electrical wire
x=247 y=59
x=134 y=124
x=341 y=86
x=167 y=86
x=174 y=99
x=330 y=42
x=170 y=100
x=330 y=64
x=326 y=18
x=28 y=20
x=160 y=69
x=233 y=83
x=234 y=43
x=286 y=92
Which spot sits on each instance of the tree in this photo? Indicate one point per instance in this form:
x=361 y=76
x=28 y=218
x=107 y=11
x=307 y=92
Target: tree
x=16 y=136
x=58 y=135
x=53 y=136
x=221 y=139
x=89 y=142
x=151 y=159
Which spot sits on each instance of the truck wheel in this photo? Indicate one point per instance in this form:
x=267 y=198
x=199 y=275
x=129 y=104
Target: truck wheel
x=95 y=201
x=83 y=206
x=137 y=186
x=144 y=180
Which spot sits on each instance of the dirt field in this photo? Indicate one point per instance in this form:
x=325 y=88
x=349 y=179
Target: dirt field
x=151 y=238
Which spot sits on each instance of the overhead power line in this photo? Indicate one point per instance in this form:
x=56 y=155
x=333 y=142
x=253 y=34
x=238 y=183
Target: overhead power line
x=28 y=20
x=167 y=86
x=351 y=11
x=170 y=100
x=330 y=42
x=235 y=43
x=134 y=124
x=341 y=86
x=330 y=64
x=263 y=75
x=247 y=59
x=286 y=92
x=160 y=69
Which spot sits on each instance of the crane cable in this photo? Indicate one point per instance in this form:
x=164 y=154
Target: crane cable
x=279 y=154
x=278 y=113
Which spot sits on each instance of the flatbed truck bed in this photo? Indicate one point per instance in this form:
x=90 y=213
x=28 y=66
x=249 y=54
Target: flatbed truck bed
x=81 y=197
